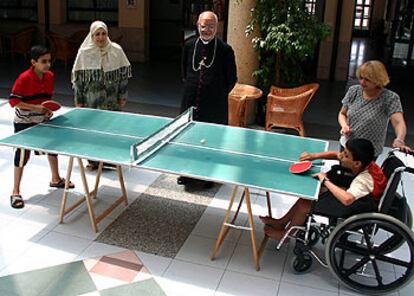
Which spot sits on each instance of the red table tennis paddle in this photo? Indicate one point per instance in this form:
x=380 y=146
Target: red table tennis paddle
x=300 y=167
x=51 y=105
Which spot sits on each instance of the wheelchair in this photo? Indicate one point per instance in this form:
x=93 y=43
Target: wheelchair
x=372 y=253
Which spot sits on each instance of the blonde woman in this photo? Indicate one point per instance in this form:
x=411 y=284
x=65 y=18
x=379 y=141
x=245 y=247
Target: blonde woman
x=368 y=107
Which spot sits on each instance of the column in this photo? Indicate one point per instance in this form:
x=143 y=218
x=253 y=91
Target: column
x=239 y=17
x=246 y=58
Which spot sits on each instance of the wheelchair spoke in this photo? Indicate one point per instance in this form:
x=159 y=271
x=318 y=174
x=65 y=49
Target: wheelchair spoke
x=366 y=230
x=377 y=273
x=357 y=266
x=352 y=248
x=394 y=261
x=389 y=242
x=342 y=260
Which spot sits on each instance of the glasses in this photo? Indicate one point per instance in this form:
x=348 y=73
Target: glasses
x=209 y=27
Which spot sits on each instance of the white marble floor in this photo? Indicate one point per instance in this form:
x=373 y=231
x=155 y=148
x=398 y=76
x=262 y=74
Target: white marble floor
x=32 y=238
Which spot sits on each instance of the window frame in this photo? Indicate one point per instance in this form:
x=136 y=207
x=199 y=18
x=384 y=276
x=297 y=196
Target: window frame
x=95 y=9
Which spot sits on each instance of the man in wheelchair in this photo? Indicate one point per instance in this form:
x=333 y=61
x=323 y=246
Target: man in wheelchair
x=355 y=186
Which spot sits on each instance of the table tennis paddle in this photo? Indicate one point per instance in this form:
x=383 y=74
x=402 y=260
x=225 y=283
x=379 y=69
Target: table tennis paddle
x=51 y=105
x=300 y=167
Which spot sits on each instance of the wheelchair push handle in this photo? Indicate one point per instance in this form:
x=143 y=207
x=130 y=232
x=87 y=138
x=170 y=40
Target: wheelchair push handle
x=398 y=149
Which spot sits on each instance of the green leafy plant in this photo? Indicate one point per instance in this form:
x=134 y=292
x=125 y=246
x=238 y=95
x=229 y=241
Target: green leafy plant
x=287 y=39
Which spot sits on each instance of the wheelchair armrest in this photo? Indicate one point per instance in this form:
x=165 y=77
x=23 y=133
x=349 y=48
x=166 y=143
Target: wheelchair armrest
x=409 y=170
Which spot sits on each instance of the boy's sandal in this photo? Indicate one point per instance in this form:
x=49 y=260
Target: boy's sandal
x=61 y=184
x=16 y=201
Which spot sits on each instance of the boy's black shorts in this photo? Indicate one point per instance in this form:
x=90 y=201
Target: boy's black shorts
x=328 y=205
x=22 y=155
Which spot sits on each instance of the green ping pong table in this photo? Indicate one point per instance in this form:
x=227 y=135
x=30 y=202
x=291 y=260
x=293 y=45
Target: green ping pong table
x=241 y=157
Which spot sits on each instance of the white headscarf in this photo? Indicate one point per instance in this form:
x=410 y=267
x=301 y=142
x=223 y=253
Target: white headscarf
x=92 y=58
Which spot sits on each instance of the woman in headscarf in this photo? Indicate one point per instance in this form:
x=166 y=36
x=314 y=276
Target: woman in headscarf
x=101 y=71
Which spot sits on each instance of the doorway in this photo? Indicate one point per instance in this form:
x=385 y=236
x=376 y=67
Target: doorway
x=166 y=29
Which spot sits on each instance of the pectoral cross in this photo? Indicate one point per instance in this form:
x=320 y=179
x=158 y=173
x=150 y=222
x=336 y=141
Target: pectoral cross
x=202 y=62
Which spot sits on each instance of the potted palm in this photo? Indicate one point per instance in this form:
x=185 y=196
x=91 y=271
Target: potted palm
x=287 y=39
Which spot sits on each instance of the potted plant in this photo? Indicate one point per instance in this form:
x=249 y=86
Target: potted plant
x=287 y=39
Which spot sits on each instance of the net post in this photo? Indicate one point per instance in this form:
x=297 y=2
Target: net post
x=140 y=151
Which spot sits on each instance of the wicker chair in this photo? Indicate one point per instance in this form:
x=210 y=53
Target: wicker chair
x=285 y=106
x=238 y=98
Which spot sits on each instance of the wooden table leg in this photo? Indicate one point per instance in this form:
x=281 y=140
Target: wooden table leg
x=87 y=196
x=251 y=224
x=94 y=193
x=224 y=227
x=266 y=238
x=122 y=184
x=65 y=192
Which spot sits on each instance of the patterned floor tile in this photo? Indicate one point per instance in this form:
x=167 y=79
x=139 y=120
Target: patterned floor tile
x=116 y=269
x=121 y=273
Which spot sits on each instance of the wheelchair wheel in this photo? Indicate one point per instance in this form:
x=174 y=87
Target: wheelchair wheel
x=408 y=220
x=313 y=238
x=301 y=263
x=358 y=253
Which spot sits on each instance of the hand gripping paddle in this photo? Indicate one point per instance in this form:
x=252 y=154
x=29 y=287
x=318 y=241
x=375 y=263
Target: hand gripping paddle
x=300 y=167
x=51 y=105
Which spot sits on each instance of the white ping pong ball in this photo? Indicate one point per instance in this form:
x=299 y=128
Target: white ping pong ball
x=202 y=141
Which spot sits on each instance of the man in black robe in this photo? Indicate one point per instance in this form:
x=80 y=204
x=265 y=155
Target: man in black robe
x=209 y=72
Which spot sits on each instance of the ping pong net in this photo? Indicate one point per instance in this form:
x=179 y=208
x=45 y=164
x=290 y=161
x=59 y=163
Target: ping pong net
x=152 y=143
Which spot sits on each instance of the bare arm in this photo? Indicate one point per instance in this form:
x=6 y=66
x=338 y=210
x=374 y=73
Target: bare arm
x=320 y=155
x=343 y=121
x=400 y=128
x=340 y=194
x=35 y=108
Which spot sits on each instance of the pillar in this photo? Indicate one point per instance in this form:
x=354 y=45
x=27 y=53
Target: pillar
x=246 y=58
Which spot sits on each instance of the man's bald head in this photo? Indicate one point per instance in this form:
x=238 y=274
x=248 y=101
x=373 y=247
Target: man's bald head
x=207 y=25
x=209 y=15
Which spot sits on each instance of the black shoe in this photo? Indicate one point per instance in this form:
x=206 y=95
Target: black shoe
x=208 y=184
x=181 y=180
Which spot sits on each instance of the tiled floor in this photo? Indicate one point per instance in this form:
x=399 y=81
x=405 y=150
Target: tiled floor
x=32 y=238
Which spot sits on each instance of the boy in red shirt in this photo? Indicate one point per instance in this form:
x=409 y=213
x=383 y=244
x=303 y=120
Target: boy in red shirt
x=30 y=90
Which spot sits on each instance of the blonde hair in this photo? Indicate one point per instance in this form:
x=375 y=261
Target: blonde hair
x=375 y=72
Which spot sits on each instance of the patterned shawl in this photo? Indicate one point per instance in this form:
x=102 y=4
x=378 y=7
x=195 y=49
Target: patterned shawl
x=91 y=59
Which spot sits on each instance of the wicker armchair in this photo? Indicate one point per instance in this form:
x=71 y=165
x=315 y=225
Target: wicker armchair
x=285 y=106
x=238 y=98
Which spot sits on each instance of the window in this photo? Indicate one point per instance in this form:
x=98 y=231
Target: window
x=18 y=10
x=311 y=6
x=90 y=10
x=362 y=14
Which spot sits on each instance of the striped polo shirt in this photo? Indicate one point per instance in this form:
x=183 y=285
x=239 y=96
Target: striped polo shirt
x=31 y=89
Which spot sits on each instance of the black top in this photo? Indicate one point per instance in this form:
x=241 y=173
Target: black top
x=207 y=89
